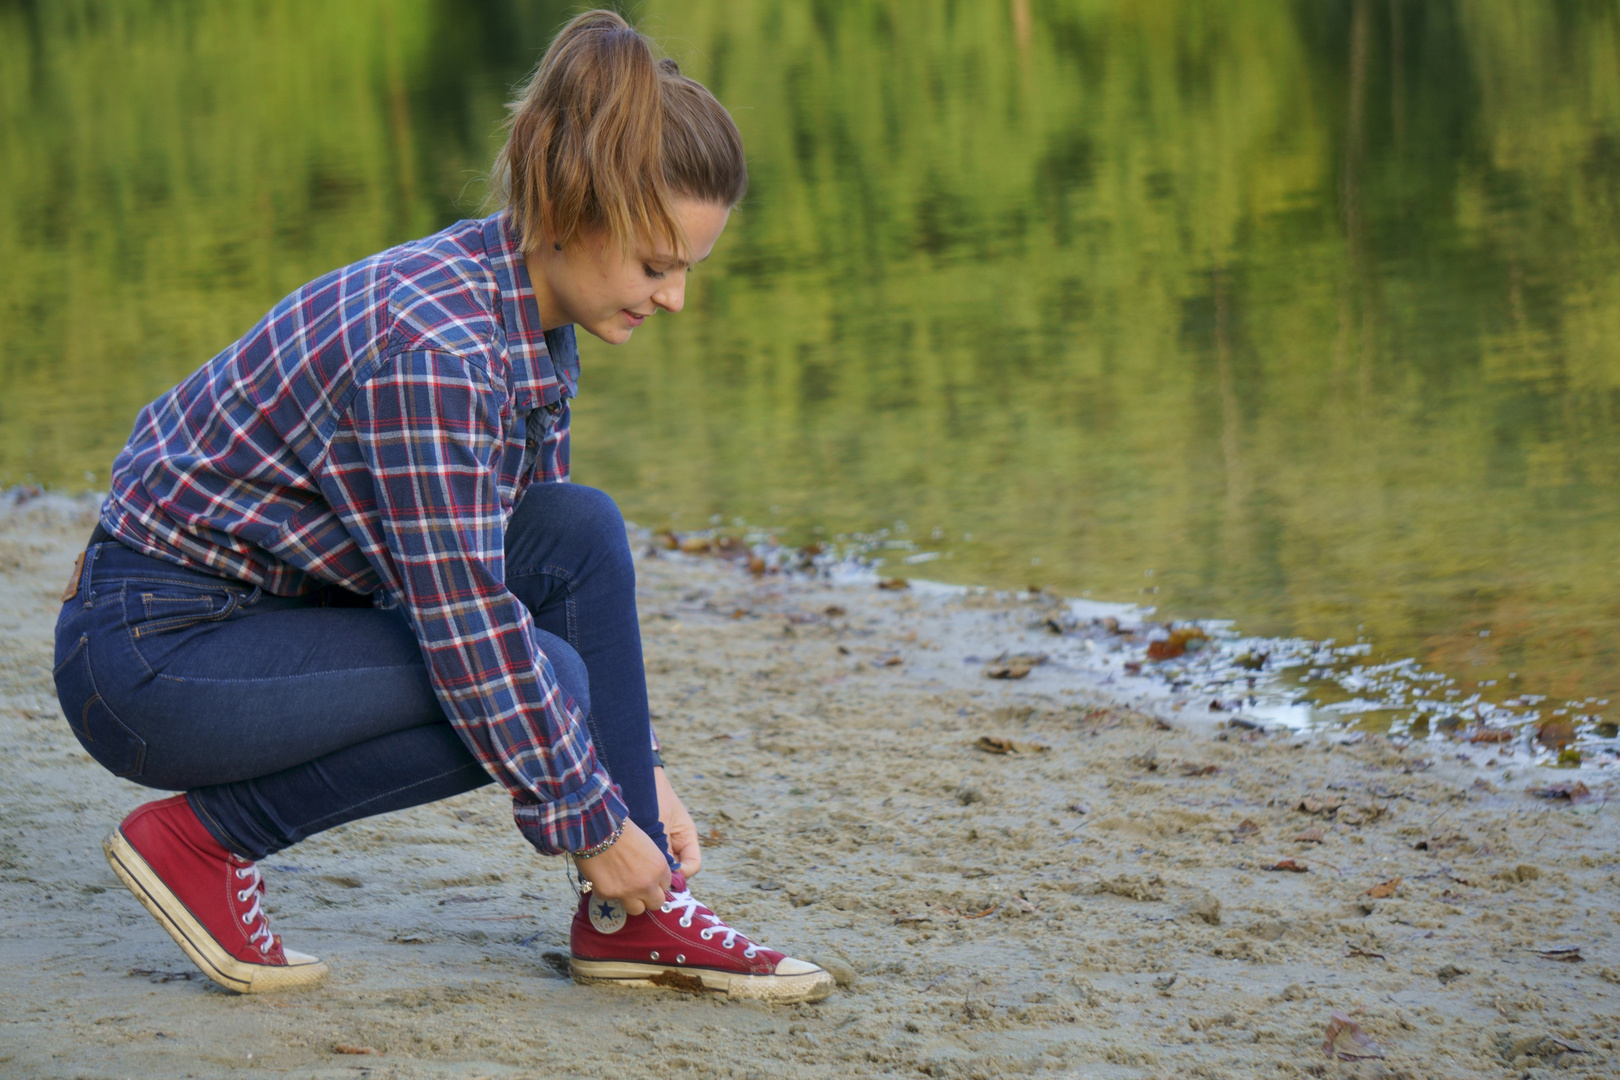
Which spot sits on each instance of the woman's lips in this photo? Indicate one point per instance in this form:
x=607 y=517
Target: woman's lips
x=635 y=320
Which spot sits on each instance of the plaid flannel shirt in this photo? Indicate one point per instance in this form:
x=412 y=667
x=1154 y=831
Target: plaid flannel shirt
x=375 y=431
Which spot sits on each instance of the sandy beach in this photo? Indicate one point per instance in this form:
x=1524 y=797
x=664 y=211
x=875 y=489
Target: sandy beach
x=1054 y=875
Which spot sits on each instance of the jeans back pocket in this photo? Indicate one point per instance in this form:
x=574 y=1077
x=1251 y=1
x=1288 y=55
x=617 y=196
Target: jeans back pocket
x=104 y=737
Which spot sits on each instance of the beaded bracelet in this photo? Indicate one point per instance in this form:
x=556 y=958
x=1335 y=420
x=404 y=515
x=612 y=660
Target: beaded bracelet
x=597 y=849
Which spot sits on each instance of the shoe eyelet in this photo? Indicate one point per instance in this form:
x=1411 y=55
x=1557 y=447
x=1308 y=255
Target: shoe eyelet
x=686 y=924
x=664 y=909
x=241 y=897
x=680 y=958
x=247 y=921
x=655 y=955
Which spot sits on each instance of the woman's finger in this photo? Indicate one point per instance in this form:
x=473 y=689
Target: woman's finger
x=689 y=854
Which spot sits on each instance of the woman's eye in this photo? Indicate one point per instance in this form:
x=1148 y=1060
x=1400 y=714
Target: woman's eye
x=656 y=275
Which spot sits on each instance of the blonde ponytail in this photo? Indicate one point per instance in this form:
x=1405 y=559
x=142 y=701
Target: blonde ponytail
x=605 y=136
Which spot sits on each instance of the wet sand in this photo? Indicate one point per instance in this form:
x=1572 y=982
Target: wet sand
x=1095 y=903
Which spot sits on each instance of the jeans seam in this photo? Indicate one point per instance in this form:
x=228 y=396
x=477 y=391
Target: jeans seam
x=394 y=791
x=129 y=631
x=224 y=585
x=84 y=639
x=548 y=569
x=218 y=830
x=282 y=678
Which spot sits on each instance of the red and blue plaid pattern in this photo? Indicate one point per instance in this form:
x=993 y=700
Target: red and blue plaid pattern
x=375 y=431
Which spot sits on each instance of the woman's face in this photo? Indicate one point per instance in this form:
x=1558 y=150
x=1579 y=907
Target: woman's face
x=610 y=292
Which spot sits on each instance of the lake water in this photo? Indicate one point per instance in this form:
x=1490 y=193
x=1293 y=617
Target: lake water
x=1301 y=315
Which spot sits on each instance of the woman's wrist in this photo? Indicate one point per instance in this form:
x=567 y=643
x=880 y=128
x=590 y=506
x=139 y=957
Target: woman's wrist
x=597 y=849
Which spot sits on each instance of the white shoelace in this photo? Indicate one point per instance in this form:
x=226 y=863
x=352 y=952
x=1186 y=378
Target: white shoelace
x=255 y=890
x=689 y=906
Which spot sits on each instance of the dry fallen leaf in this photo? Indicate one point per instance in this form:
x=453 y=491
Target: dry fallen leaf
x=1439 y=841
x=1360 y=815
x=995 y=744
x=1006 y=671
x=1384 y=889
x=1309 y=836
x=1364 y=952
x=1576 y=792
x=1177 y=643
x=1569 y=954
x=345 y=1048
x=1289 y=865
x=1246 y=827
x=1189 y=768
x=894 y=583
x=1347 y=1042
x=1487 y=734
x=1319 y=804
x=1556 y=733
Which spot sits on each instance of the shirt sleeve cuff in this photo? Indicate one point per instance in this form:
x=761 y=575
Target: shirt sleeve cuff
x=582 y=819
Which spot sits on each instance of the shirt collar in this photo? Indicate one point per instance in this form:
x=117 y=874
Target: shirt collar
x=545 y=363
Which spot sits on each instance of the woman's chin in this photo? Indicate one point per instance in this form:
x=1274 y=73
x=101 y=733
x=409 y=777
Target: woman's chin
x=614 y=333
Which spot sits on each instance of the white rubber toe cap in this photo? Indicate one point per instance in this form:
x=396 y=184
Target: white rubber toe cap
x=790 y=966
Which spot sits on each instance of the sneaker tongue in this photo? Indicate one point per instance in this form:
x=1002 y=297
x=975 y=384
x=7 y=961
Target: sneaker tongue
x=677 y=881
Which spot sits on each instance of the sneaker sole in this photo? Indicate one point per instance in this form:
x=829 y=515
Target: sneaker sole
x=195 y=941
x=777 y=989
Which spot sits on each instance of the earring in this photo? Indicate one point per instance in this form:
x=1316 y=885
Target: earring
x=557 y=246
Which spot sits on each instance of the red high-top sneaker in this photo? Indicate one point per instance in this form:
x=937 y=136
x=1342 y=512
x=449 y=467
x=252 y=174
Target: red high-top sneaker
x=684 y=946
x=206 y=898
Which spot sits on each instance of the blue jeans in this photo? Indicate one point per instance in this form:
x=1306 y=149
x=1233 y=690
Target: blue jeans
x=280 y=717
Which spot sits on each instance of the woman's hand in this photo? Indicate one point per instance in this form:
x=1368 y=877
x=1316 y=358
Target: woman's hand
x=632 y=871
x=678 y=826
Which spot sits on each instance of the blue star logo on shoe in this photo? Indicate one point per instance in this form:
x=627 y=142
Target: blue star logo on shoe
x=607 y=916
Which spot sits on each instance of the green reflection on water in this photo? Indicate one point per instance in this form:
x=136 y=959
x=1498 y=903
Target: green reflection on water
x=1309 y=309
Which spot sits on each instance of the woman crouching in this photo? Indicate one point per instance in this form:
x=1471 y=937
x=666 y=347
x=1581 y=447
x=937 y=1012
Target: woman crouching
x=340 y=572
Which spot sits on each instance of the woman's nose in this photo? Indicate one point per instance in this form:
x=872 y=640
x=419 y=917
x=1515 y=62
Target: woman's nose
x=672 y=297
